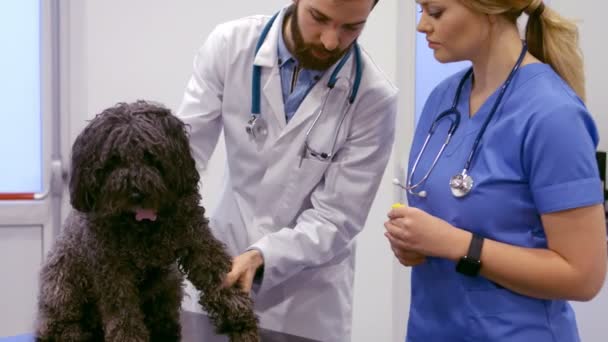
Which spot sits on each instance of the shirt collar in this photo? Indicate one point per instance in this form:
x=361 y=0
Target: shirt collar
x=283 y=53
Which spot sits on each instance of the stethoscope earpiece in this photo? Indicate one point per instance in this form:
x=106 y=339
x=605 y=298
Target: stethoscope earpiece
x=419 y=194
x=397 y=183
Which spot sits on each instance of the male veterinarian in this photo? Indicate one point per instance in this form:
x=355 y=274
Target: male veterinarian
x=308 y=124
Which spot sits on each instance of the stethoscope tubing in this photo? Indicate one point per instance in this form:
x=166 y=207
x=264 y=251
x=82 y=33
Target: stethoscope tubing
x=257 y=70
x=256 y=89
x=453 y=112
x=498 y=101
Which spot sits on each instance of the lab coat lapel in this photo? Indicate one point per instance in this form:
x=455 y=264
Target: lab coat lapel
x=308 y=108
x=274 y=97
x=271 y=78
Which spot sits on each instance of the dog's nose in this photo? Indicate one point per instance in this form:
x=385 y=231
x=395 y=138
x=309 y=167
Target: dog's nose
x=136 y=197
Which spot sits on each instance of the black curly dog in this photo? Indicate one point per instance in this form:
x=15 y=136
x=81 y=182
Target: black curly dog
x=116 y=272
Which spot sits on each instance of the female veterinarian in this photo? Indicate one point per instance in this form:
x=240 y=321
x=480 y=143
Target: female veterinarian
x=308 y=121
x=505 y=222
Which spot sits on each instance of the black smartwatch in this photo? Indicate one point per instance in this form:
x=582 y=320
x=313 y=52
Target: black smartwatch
x=470 y=264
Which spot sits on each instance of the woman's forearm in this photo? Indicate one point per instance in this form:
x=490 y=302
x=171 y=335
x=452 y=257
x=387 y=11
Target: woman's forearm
x=535 y=272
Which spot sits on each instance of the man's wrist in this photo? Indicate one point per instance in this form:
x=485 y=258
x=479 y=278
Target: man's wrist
x=258 y=262
x=257 y=257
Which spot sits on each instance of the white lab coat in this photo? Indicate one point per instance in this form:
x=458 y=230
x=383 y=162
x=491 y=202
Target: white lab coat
x=302 y=214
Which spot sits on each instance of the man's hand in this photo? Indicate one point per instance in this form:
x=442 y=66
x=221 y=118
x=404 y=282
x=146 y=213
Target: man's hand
x=243 y=270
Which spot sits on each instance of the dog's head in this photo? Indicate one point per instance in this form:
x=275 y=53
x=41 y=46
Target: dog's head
x=132 y=159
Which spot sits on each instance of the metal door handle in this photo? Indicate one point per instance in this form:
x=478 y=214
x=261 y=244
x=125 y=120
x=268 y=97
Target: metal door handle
x=58 y=179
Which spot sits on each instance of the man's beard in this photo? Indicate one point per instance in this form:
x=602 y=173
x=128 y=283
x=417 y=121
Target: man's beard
x=303 y=51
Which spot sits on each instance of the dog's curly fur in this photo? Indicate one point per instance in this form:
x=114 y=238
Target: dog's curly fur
x=115 y=276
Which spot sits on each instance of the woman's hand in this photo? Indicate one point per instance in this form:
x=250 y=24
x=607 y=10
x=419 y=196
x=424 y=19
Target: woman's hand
x=405 y=257
x=413 y=234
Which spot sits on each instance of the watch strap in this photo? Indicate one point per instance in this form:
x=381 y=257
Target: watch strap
x=474 y=252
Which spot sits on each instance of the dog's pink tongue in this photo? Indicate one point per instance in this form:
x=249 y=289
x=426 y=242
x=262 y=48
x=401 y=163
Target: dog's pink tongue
x=145 y=214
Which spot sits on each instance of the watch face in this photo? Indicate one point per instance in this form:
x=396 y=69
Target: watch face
x=468 y=266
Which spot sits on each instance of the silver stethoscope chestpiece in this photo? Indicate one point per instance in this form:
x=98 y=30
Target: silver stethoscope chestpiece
x=257 y=127
x=461 y=184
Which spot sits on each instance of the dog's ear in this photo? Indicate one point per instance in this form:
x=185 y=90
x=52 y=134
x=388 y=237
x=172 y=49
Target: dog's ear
x=89 y=154
x=183 y=163
x=83 y=185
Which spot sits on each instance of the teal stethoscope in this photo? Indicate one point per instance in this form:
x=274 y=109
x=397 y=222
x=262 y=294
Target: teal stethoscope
x=257 y=127
x=462 y=183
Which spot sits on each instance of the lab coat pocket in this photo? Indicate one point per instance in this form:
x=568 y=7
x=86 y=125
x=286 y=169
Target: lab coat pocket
x=303 y=178
x=307 y=174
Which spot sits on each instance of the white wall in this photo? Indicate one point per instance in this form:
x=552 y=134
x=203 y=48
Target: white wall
x=381 y=300
x=117 y=50
x=591 y=19
x=592 y=316
x=26 y=227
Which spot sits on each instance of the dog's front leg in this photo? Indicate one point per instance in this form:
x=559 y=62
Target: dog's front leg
x=61 y=301
x=119 y=306
x=230 y=309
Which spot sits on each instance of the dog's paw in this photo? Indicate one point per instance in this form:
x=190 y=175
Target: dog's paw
x=246 y=336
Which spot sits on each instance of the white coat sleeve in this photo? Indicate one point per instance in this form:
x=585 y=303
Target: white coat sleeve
x=340 y=203
x=202 y=102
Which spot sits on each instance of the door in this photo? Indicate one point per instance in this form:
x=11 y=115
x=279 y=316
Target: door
x=31 y=180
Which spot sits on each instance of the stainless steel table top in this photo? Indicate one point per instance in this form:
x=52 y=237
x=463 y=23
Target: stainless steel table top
x=196 y=327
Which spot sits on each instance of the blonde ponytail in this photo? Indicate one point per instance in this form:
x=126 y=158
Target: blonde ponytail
x=551 y=38
x=554 y=40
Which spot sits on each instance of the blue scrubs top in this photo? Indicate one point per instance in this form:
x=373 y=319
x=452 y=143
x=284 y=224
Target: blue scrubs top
x=537 y=156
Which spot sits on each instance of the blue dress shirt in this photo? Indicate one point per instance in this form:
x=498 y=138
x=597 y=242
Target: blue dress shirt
x=295 y=81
